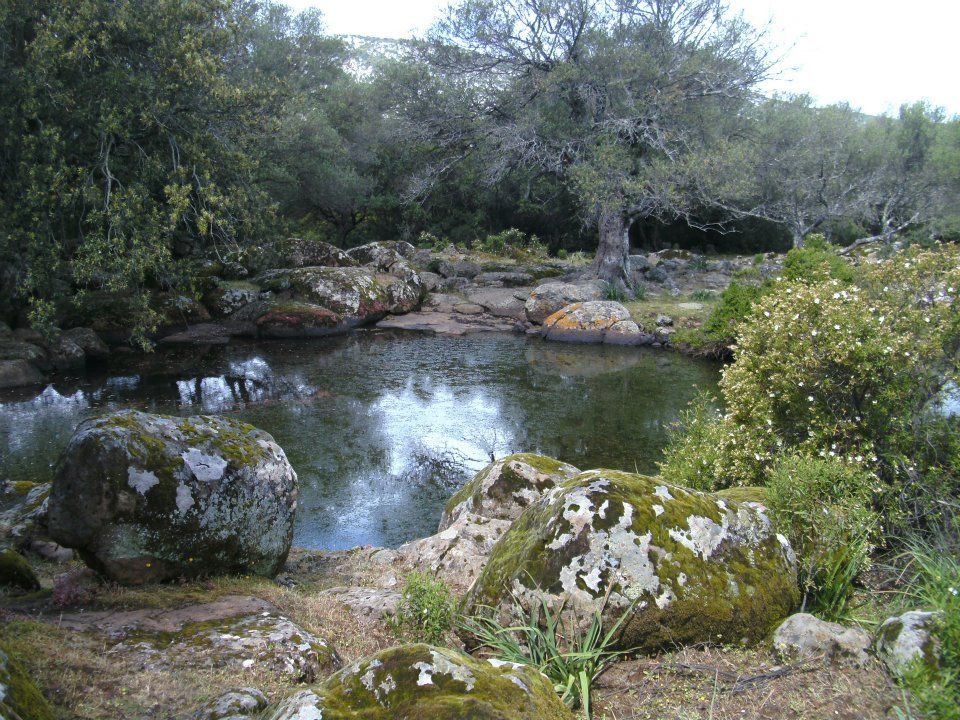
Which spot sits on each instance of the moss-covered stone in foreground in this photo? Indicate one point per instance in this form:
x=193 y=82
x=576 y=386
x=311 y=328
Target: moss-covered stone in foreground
x=421 y=681
x=699 y=567
x=19 y=696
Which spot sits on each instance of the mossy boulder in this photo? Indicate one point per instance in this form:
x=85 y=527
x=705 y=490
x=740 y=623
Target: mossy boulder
x=15 y=572
x=318 y=301
x=25 y=516
x=147 y=497
x=421 y=681
x=505 y=488
x=909 y=638
x=19 y=697
x=694 y=567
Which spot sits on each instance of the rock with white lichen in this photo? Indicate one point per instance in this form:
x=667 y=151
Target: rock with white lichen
x=690 y=567
x=238 y=703
x=909 y=638
x=803 y=636
x=505 y=488
x=421 y=681
x=146 y=498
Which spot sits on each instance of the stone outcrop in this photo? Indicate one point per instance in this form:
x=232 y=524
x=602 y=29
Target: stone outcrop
x=234 y=704
x=908 y=638
x=689 y=567
x=20 y=699
x=803 y=636
x=146 y=497
x=550 y=297
x=421 y=681
x=505 y=488
x=598 y=321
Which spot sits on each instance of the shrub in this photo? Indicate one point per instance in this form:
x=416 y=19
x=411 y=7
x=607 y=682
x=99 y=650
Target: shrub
x=425 y=611
x=639 y=292
x=497 y=244
x=935 y=585
x=816 y=261
x=562 y=254
x=823 y=506
x=613 y=291
x=431 y=241
x=700 y=295
x=836 y=370
x=736 y=304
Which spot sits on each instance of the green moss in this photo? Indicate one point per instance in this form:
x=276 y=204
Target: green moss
x=510 y=481
x=20 y=697
x=16 y=572
x=744 y=494
x=736 y=589
x=422 y=681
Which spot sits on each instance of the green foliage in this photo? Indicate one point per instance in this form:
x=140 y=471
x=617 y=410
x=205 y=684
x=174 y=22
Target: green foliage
x=571 y=654
x=935 y=585
x=831 y=369
x=562 y=254
x=816 y=261
x=735 y=306
x=700 y=295
x=692 y=454
x=823 y=506
x=127 y=141
x=425 y=612
x=640 y=292
x=612 y=291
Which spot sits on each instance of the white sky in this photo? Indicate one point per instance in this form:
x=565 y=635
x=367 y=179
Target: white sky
x=876 y=54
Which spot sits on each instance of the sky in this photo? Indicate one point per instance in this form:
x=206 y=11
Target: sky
x=874 y=54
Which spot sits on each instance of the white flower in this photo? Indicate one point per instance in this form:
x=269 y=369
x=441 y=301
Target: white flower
x=810 y=398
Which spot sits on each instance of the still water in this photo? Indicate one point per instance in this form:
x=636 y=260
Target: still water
x=382 y=427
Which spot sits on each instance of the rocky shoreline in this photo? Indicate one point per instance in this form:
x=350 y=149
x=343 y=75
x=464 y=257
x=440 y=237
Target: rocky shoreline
x=143 y=498
x=312 y=289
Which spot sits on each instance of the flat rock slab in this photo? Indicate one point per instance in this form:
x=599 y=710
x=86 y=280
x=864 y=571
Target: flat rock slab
x=442 y=323
x=502 y=302
x=117 y=623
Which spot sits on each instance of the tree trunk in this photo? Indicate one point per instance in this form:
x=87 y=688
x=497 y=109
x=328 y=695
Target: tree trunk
x=797 y=238
x=612 y=263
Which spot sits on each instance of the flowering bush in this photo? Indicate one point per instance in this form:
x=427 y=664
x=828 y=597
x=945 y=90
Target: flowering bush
x=833 y=370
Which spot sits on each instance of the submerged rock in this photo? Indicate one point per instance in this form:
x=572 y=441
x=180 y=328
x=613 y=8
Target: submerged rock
x=694 y=567
x=907 y=638
x=802 y=636
x=421 y=681
x=550 y=297
x=147 y=498
x=505 y=488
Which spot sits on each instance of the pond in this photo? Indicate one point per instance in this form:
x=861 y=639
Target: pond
x=382 y=427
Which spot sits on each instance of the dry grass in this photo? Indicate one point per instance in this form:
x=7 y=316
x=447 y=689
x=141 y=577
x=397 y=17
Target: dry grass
x=736 y=684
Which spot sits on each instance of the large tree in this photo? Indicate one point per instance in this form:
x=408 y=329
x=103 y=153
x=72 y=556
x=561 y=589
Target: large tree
x=126 y=142
x=617 y=98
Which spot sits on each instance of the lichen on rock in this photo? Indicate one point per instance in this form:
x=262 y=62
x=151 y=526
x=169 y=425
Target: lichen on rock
x=422 y=681
x=152 y=497
x=505 y=488
x=692 y=566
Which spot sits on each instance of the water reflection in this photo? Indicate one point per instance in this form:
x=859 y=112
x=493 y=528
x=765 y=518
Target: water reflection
x=382 y=427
